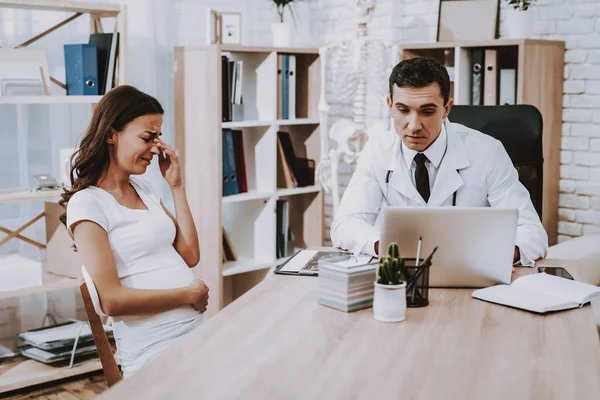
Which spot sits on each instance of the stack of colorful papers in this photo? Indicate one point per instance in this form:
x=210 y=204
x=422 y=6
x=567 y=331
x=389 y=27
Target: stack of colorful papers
x=346 y=282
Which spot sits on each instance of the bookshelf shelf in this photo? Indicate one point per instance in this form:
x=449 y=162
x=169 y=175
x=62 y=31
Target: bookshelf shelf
x=245 y=124
x=99 y=9
x=250 y=124
x=20 y=372
x=50 y=282
x=259 y=49
x=50 y=99
x=249 y=219
x=297 y=191
x=244 y=265
x=21 y=195
x=252 y=195
x=298 y=121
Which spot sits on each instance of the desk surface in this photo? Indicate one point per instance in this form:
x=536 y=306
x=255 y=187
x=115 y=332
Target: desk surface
x=276 y=342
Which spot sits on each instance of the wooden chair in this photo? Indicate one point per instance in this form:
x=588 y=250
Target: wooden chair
x=93 y=310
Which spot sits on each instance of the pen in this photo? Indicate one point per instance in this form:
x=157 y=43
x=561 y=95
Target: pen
x=418 y=251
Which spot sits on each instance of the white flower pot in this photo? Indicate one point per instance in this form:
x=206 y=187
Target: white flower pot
x=282 y=35
x=519 y=24
x=389 y=302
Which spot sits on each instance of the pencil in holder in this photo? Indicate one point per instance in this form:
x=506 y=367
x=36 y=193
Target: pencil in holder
x=417 y=282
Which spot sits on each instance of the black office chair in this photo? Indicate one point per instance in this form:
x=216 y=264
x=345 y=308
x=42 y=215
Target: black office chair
x=519 y=128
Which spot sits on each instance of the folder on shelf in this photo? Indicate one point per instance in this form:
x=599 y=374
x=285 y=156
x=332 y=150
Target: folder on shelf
x=81 y=69
x=240 y=161
x=225 y=89
x=279 y=86
x=292 y=88
x=285 y=87
x=490 y=85
x=477 y=63
x=508 y=86
x=230 y=185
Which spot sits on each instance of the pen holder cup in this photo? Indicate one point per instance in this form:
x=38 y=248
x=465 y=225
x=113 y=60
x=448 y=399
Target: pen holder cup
x=417 y=283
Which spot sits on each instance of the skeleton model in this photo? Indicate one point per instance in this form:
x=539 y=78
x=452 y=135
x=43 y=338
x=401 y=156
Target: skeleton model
x=354 y=66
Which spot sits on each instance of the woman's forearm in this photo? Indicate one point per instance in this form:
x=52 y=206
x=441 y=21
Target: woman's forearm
x=186 y=241
x=128 y=301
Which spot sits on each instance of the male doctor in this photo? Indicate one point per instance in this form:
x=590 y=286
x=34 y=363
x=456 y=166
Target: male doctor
x=431 y=162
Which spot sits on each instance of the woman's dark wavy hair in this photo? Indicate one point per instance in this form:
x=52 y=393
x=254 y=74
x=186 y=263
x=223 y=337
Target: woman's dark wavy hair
x=115 y=110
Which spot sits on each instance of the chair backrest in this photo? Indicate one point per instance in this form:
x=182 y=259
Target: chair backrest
x=519 y=128
x=107 y=359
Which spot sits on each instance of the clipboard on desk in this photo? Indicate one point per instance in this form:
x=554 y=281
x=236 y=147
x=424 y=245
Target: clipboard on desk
x=306 y=262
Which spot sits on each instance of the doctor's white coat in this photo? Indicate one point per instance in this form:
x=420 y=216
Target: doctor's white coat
x=475 y=166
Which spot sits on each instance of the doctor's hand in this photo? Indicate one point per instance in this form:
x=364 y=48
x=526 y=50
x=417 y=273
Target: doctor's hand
x=198 y=295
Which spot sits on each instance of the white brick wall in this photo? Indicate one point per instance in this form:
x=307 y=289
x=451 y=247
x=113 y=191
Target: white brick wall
x=577 y=23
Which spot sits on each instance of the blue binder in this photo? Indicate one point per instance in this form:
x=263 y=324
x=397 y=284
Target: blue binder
x=285 y=88
x=81 y=67
x=230 y=185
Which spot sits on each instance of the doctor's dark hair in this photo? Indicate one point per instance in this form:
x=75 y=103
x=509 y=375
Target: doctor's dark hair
x=115 y=110
x=420 y=72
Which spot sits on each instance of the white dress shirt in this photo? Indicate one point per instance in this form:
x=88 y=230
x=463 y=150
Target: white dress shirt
x=435 y=154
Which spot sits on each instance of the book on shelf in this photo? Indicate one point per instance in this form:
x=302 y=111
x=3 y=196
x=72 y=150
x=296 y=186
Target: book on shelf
x=229 y=253
x=283 y=231
x=240 y=160
x=540 y=293
x=292 y=171
x=107 y=47
x=232 y=79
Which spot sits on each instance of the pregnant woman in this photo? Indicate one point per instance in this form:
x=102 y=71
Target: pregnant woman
x=138 y=255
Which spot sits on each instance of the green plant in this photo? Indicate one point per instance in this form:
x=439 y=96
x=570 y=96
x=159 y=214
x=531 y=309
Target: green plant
x=391 y=267
x=522 y=5
x=282 y=4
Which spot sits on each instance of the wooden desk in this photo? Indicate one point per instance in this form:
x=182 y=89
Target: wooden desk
x=276 y=342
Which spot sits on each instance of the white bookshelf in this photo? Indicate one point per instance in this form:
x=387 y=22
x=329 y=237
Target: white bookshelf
x=248 y=218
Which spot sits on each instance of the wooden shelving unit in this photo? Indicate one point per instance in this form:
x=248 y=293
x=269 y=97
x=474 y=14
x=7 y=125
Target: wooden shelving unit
x=249 y=218
x=539 y=68
x=20 y=372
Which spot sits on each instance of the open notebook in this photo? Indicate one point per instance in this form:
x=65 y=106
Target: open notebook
x=540 y=293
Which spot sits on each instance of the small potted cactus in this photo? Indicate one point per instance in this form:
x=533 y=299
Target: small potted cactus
x=389 y=299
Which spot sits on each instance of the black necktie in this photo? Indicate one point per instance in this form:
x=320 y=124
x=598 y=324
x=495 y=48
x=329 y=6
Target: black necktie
x=422 y=176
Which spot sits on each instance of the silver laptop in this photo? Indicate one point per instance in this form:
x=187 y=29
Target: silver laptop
x=475 y=245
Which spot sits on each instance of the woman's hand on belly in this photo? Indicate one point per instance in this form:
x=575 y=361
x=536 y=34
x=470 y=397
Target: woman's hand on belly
x=198 y=295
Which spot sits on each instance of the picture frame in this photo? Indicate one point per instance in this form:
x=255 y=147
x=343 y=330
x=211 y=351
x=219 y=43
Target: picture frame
x=467 y=19
x=231 y=28
x=224 y=27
